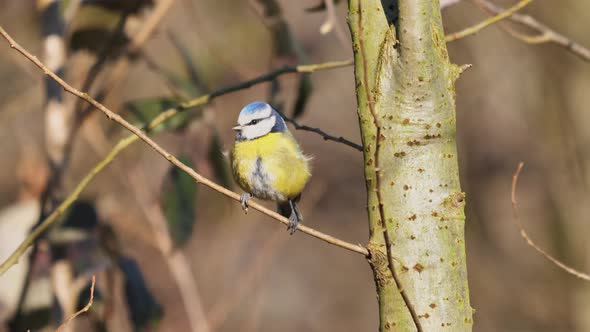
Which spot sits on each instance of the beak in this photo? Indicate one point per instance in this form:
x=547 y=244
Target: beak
x=237 y=128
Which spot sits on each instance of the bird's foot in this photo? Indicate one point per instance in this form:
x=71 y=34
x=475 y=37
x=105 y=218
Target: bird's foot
x=244 y=198
x=293 y=222
x=297 y=212
x=294 y=218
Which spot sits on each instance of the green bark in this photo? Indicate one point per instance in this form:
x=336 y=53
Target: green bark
x=411 y=82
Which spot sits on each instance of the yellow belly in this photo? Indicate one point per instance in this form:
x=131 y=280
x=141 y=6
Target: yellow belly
x=270 y=167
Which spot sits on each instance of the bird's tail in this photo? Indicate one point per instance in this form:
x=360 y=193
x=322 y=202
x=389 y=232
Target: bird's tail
x=284 y=208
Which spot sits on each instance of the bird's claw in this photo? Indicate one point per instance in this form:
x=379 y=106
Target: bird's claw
x=294 y=218
x=244 y=198
x=293 y=222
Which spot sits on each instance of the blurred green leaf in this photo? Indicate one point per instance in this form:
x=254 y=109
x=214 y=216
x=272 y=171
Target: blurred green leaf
x=95 y=39
x=183 y=85
x=303 y=93
x=144 y=310
x=120 y=5
x=36 y=319
x=92 y=28
x=187 y=87
x=218 y=161
x=276 y=98
x=178 y=202
x=142 y=111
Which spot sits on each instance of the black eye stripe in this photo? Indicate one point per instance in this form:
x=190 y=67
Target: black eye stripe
x=256 y=121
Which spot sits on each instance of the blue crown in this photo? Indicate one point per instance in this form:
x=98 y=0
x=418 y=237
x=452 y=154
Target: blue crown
x=254 y=107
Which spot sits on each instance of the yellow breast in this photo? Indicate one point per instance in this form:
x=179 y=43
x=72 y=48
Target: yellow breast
x=270 y=167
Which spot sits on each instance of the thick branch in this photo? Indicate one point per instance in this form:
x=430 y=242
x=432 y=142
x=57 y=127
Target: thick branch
x=404 y=79
x=378 y=185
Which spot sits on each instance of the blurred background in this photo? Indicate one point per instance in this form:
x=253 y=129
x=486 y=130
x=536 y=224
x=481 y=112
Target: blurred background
x=172 y=256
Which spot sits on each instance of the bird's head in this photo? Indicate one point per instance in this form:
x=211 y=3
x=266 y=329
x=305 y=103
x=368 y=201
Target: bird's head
x=256 y=120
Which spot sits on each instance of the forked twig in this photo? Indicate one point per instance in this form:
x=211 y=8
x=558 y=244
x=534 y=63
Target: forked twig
x=494 y=19
x=83 y=310
x=529 y=241
x=546 y=34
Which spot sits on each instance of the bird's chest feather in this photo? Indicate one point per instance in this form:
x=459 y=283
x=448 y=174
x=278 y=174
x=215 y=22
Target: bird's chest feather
x=270 y=167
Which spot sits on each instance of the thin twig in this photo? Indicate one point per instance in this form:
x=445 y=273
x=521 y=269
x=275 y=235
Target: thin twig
x=273 y=74
x=546 y=34
x=83 y=310
x=484 y=24
x=323 y=134
x=138 y=132
x=529 y=241
x=80 y=113
x=124 y=143
x=378 y=140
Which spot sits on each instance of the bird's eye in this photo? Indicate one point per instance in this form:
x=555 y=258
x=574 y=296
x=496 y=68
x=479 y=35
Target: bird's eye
x=253 y=122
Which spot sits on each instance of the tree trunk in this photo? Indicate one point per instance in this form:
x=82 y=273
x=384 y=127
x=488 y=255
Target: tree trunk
x=411 y=84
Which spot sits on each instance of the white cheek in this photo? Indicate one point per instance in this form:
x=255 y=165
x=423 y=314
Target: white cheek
x=260 y=129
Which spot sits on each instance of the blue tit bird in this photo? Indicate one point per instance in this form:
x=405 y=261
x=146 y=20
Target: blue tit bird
x=267 y=162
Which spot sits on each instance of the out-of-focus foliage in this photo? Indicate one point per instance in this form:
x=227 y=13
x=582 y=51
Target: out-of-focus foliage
x=303 y=93
x=120 y=5
x=178 y=198
x=92 y=29
x=95 y=24
x=143 y=111
x=144 y=310
x=218 y=161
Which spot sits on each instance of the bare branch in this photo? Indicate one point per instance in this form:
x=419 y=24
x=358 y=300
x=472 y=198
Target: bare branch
x=378 y=139
x=141 y=135
x=81 y=311
x=546 y=34
x=271 y=76
x=529 y=241
x=484 y=24
x=325 y=136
